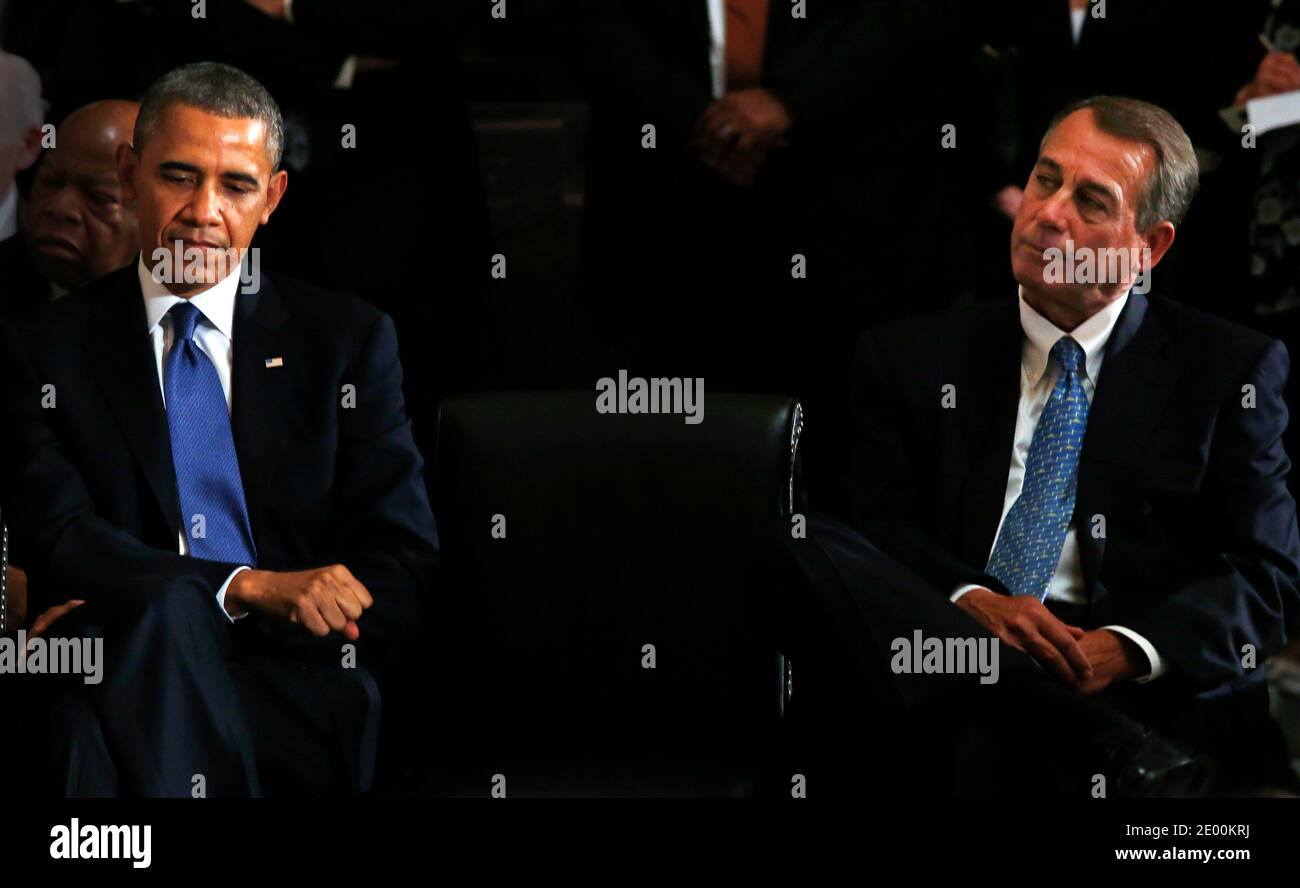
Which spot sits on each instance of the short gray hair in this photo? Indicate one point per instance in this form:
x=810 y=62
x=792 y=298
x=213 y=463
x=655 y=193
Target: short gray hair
x=21 y=107
x=217 y=89
x=1170 y=187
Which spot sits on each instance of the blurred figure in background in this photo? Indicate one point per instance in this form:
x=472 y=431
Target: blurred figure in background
x=1052 y=52
x=78 y=226
x=21 y=115
x=753 y=231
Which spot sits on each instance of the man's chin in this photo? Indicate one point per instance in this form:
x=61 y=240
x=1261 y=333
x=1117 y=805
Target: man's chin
x=1033 y=276
x=66 y=273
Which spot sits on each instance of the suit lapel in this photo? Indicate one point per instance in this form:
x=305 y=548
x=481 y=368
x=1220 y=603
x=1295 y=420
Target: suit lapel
x=988 y=393
x=261 y=395
x=127 y=372
x=1137 y=376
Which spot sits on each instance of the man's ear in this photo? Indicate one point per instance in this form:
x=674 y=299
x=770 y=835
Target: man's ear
x=127 y=164
x=30 y=148
x=1158 y=240
x=275 y=188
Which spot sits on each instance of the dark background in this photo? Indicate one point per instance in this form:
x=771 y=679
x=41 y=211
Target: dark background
x=520 y=136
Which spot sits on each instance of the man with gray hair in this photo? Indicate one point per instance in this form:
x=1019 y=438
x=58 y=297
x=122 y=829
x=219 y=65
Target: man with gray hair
x=226 y=488
x=21 y=114
x=1127 y=536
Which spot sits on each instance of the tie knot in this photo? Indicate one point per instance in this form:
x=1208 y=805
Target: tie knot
x=184 y=319
x=1069 y=354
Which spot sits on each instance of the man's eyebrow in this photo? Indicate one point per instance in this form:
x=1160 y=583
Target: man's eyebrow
x=1092 y=186
x=178 y=166
x=1099 y=190
x=237 y=176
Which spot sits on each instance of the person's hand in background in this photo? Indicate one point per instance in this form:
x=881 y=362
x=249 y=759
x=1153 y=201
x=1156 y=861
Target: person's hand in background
x=735 y=133
x=274 y=8
x=1007 y=201
x=1278 y=72
x=15 y=595
x=44 y=620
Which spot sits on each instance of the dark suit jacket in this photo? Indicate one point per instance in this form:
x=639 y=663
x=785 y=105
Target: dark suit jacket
x=91 y=481
x=1200 y=551
x=25 y=291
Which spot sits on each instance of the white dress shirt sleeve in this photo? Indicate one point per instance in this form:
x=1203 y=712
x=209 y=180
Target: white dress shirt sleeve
x=1158 y=667
x=221 y=595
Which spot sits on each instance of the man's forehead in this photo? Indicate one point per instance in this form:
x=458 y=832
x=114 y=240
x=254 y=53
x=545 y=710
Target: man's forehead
x=1079 y=147
x=182 y=125
x=93 y=162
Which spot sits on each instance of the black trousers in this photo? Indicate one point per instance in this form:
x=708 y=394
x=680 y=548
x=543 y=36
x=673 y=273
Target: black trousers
x=189 y=703
x=866 y=726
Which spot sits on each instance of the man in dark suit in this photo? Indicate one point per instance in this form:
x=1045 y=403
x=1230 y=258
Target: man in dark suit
x=215 y=473
x=789 y=158
x=1093 y=477
x=77 y=227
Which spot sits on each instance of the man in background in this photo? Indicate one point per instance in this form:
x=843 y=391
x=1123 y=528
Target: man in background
x=77 y=226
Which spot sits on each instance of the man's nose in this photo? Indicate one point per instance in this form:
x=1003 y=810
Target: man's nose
x=205 y=207
x=62 y=206
x=1054 y=213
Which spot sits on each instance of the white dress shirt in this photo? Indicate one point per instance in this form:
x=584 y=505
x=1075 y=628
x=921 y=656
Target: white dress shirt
x=1077 y=17
x=213 y=334
x=9 y=213
x=1038 y=376
x=718 y=46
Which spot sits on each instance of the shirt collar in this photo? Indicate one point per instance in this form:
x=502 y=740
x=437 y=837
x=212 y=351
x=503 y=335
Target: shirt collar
x=217 y=303
x=1041 y=334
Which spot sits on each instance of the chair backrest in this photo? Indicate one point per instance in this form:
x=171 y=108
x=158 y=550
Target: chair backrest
x=600 y=582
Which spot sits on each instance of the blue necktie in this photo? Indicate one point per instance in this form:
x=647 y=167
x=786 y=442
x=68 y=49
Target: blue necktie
x=214 y=515
x=1029 y=545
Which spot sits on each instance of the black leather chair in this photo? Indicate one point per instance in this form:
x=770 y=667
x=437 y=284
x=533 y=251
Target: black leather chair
x=618 y=539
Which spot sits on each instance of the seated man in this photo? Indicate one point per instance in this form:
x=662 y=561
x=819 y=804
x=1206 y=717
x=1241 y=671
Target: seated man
x=215 y=474
x=77 y=225
x=78 y=229
x=1091 y=476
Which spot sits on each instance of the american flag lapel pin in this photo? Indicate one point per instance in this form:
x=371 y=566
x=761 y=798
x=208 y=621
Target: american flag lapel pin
x=275 y=362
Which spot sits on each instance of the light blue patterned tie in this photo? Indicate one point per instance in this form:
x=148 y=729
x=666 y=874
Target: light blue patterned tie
x=203 y=449
x=1029 y=544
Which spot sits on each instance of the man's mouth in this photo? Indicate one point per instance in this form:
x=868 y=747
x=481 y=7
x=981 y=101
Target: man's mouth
x=58 y=247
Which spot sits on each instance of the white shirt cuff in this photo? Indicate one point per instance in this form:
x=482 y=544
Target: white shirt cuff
x=288 y=11
x=1158 y=667
x=221 y=595
x=962 y=590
